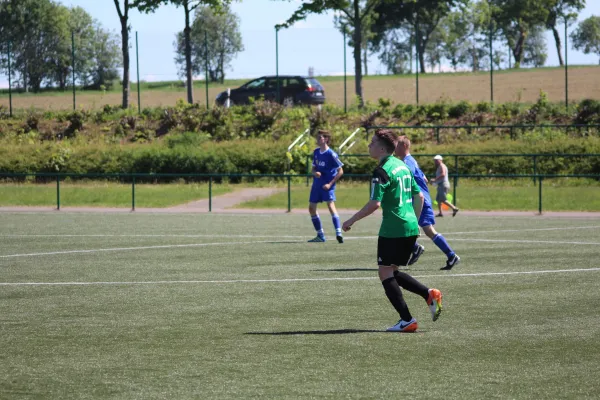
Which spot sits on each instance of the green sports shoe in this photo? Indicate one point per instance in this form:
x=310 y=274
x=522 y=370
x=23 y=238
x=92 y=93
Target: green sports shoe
x=317 y=239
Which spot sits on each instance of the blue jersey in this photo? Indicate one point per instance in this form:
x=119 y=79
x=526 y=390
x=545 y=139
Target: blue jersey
x=327 y=164
x=412 y=164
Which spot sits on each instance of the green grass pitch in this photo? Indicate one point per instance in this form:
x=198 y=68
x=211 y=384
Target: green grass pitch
x=155 y=306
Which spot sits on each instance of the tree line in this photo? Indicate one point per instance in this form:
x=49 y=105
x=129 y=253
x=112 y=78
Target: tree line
x=459 y=33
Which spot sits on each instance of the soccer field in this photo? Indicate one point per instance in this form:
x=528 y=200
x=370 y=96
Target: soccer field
x=155 y=306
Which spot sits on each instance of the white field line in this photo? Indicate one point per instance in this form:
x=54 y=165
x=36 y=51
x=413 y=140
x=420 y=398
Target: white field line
x=168 y=246
x=280 y=236
x=483 y=274
x=172 y=246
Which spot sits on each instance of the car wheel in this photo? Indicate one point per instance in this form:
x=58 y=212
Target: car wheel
x=288 y=101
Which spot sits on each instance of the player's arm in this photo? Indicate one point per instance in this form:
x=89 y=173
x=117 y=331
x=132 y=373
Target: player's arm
x=340 y=172
x=314 y=172
x=368 y=209
x=418 y=198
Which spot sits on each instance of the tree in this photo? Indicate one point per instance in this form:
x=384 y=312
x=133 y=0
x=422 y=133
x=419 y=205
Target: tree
x=33 y=28
x=224 y=41
x=562 y=11
x=587 y=36
x=536 y=50
x=516 y=19
x=420 y=16
x=188 y=6
x=125 y=28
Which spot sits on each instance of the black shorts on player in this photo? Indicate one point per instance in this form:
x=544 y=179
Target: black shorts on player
x=395 y=251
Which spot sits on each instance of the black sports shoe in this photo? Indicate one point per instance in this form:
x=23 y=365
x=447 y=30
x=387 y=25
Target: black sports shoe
x=340 y=239
x=453 y=262
x=419 y=249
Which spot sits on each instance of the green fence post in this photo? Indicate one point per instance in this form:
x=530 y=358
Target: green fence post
x=277 y=59
x=492 y=63
x=534 y=168
x=437 y=134
x=454 y=201
x=540 y=194
x=10 y=112
x=289 y=179
x=417 y=60
x=566 y=67
x=133 y=193
x=57 y=192
x=73 y=59
x=345 y=93
x=210 y=194
x=206 y=67
x=137 y=61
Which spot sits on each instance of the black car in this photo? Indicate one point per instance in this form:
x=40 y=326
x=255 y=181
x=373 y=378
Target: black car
x=292 y=90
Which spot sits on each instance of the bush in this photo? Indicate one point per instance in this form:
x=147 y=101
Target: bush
x=460 y=109
x=588 y=112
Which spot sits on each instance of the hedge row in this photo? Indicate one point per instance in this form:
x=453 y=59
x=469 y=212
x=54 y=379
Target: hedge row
x=265 y=157
x=266 y=120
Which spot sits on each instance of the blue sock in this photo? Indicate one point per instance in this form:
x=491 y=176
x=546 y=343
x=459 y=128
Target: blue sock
x=440 y=242
x=317 y=224
x=336 y=224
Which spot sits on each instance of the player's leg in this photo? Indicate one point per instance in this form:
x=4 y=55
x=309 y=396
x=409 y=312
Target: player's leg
x=386 y=255
x=432 y=296
x=335 y=218
x=440 y=197
x=447 y=203
x=314 y=216
x=426 y=218
x=440 y=241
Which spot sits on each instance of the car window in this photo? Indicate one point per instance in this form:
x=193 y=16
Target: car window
x=294 y=83
x=255 y=84
x=272 y=83
x=314 y=83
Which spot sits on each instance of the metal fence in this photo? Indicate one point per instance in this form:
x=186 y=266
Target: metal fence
x=60 y=177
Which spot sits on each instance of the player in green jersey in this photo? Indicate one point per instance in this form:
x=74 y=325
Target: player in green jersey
x=396 y=192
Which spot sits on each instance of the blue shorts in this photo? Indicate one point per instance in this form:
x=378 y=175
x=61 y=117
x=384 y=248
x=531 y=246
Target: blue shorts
x=426 y=217
x=318 y=194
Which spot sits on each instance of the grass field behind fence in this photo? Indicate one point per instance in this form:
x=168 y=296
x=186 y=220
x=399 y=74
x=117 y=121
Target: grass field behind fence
x=523 y=85
x=240 y=306
x=485 y=195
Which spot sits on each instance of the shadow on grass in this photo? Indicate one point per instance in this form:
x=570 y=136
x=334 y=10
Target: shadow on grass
x=345 y=270
x=366 y=269
x=327 y=332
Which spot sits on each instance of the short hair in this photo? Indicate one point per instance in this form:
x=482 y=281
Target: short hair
x=404 y=140
x=388 y=138
x=325 y=134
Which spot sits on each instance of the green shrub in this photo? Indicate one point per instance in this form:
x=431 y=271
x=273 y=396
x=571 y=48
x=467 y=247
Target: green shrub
x=460 y=109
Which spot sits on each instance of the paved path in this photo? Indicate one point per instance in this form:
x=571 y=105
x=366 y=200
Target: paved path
x=224 y=204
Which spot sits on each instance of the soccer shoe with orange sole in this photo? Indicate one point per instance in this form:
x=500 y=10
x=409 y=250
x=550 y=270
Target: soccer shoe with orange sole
x=403 y=326
x=434 y=302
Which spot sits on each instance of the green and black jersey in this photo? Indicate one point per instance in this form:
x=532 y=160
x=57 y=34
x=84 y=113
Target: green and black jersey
x=394 y=186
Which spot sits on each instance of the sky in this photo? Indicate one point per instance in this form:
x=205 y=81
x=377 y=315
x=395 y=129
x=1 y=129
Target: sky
x=310 y=43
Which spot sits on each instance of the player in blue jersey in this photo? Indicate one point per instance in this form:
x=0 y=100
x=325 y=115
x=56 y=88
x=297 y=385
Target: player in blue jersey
x=426 y=220
x=326 y=170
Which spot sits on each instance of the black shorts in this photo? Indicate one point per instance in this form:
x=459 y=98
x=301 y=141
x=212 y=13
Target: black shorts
x=395 y=251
